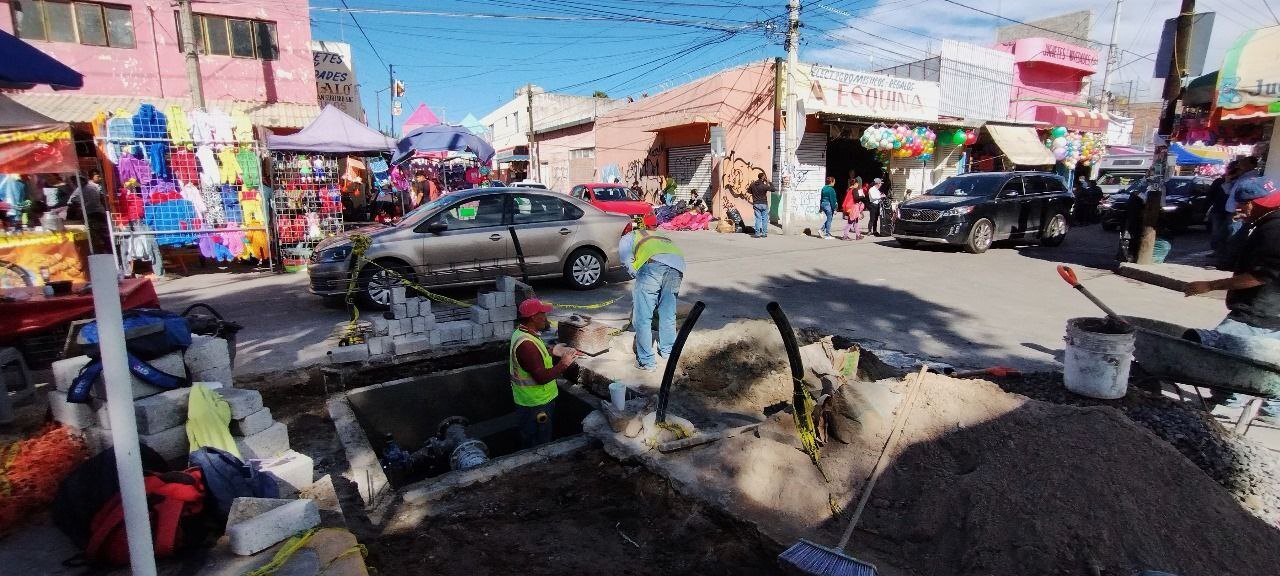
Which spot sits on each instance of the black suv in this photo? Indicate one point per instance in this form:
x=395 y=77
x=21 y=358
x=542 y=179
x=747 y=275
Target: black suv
x=976 y=209
x=1186 y=203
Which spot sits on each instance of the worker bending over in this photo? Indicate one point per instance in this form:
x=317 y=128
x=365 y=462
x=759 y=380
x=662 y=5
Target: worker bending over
x=657 y=265
x=534 y=373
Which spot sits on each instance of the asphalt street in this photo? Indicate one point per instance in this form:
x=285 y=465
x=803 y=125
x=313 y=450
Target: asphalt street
x=1005 y=307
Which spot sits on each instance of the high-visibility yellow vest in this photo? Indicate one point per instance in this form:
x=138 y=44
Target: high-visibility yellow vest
x=647 y=245
x=524 y=389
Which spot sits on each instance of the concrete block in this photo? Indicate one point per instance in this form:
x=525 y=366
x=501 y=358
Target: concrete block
x=377 y=345
x=419 y=324
x=479 y=315
x=170 y=444
x=95 y=439
x=268 y=443
x=65 y=371
x=292 y=472
x=489 y=300
x=207 y=353
x=252 y=424
x=220 y=375
x=156 y=413
x=346 y=354
x=379 y=325
x=400 y=310
x=424 y=307
x=508 y=327
x=169 y=364
x=503 y=314
x=506 y=284
x=78 y=416
x=398 y=327
x=411 y=344
x=256 y=524
x=435 y=337
x=411 y=307
x=398 y=295
x=242 y=402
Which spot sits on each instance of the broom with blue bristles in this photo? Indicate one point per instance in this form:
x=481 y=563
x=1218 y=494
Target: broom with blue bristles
x=805 y=557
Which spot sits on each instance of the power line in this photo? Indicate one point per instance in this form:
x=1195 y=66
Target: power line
x=366 y=37
x=538 y=17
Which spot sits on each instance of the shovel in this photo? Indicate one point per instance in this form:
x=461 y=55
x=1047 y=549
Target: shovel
x=1070 y=276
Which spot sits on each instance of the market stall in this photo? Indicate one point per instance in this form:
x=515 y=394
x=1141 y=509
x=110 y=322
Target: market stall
x=322 y=174
x=438 y=159
x=1248 y=94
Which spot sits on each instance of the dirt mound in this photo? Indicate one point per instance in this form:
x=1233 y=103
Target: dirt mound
x=742 y=365
x=992 y=483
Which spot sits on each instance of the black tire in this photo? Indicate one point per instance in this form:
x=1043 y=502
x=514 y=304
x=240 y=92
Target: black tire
x=905 y=243
x=981 y=235
x=1054 y=232
x=377 y=279
x=584 y=269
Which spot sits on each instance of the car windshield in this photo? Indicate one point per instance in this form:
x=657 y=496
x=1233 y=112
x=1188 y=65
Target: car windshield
x=416 y=213
x=1179 y=187
x=1118 y=179
x=612 y=194
x=969 y=185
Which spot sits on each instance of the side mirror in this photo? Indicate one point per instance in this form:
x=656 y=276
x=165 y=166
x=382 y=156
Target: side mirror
x=437 y=226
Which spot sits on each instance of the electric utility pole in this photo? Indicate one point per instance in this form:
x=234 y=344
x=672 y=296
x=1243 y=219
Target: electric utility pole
x=793 y=125
x=1113 y=54
x=194 y=84
x=535 y=165
x=1172 y=92
x=391 y=100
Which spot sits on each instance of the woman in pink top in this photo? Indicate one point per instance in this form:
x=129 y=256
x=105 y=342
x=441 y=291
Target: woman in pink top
x=852 y=208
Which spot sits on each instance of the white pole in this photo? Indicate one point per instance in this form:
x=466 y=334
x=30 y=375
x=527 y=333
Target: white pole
x=1112 y=52
x=124 y=428
x=795 y=125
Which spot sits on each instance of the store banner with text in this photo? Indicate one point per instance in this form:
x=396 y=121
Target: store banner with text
x=41 y=149
x=336 y=77
x=62 y=254
x=875 y=96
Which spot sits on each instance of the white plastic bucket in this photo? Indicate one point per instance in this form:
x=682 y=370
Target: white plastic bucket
x=1097 y=362
x=618 y=395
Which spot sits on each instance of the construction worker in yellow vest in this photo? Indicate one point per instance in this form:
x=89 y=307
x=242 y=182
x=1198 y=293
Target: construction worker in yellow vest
x=534 y=372
x=657 y=265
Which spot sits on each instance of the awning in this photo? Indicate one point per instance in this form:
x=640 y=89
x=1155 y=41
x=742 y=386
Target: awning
x=504 y=158
x=1199 y=92
x=333 y=132
x=25 y=66
x=1021 y=145
x=31 y=143
x=78 y=108
x=1196 y=155
x=1077 y=119
x=1249 y=80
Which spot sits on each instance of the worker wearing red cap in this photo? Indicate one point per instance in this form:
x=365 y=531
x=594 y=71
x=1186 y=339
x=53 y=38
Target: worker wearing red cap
x=534 y=372
x=1252 y=327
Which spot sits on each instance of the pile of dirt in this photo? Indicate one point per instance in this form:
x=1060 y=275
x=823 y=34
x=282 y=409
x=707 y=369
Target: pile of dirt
x=742 y=366
x=994 y=483
x=584 y=515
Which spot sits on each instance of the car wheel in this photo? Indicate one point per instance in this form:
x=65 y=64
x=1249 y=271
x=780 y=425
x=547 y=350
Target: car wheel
x=905 y=243
x=980 y=237
x=584 y=269
x=1055 y=231
x=378 y=278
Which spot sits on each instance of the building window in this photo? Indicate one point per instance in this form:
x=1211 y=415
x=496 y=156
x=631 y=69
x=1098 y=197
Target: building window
x=234 y=37
x=86 y=23
x=582 y=153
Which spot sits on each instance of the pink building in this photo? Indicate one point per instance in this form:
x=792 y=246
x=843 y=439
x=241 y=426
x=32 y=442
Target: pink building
x=670 y=135
x=130 y=50
x=1049 y=83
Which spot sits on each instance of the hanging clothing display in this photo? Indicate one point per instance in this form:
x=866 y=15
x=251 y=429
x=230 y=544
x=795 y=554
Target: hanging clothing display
x=250 y=167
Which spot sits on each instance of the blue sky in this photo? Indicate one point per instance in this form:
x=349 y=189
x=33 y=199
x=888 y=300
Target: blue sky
x=467 y=63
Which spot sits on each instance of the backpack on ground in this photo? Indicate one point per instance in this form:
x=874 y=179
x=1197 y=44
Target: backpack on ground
x=149 y=334
x=227 y=478
x=176 y=500
x=89 y=487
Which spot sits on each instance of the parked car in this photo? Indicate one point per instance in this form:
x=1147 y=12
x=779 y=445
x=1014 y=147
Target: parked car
x=617 y=199
x=529 y=184
x=1115 y=182
x=973 y=210
x=1186 y=203
x=463 y=238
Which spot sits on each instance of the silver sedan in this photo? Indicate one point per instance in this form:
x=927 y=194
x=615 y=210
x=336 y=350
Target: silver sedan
x=474 y=236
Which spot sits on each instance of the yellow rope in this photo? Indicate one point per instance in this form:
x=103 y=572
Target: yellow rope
x=285 y=552
x=359 y=244
x=808 y=439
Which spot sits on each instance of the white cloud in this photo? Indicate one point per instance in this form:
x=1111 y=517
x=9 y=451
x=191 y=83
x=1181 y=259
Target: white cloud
x=909 y=29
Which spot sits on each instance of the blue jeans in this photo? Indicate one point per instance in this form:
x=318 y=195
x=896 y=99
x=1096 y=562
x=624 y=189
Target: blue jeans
x=761 y=225
x=657 y=286
x=533 y=432
x=1249 y=341
x=827 y=211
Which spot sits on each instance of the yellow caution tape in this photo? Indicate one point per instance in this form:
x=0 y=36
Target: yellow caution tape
x=285 y=552
x=359 y=243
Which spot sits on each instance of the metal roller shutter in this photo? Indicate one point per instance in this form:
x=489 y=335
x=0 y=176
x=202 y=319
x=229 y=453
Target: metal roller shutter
x=690 y=167
x=811 y=154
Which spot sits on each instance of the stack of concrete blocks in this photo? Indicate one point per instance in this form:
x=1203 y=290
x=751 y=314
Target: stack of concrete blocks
x=161 y=415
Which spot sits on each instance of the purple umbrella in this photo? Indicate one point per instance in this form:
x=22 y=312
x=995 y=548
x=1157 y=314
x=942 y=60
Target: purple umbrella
x=23 y=66
x=439 y=138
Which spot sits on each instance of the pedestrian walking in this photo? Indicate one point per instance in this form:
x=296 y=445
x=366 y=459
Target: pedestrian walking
x=852 y=208
x=759 y=191
x=873 y=198
x=827 y=205
x=657 y=265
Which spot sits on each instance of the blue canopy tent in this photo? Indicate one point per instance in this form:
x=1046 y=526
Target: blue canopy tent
x=440 y=138
x=23 y=66
x=1192 y=156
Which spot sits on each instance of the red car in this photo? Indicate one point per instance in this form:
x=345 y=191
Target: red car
x=617 y=199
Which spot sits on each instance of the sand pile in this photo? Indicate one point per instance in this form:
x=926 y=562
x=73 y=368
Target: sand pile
x=993 y=483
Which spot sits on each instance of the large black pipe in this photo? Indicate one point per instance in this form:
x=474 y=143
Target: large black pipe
x=667 y=375
x=793 y=358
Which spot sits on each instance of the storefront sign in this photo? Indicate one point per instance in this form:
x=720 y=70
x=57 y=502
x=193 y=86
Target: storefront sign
x=37 y=150
x=838 y=91
x=1054 y=52
x=61 y=254
x=336 y=77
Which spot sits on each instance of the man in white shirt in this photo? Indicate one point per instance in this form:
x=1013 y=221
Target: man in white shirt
x=873 y=205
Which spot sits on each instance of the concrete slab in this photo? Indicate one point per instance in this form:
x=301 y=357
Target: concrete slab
x=170 y=444
x=435 y=488
x=292 y=471
x=268 y=443
x=364 y=468
x=256 y=524
x=242 y=402
x=74 y=415
x=252 y=424
x=1168 y=275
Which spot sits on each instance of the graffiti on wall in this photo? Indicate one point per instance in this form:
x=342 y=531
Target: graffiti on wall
x=737 y=173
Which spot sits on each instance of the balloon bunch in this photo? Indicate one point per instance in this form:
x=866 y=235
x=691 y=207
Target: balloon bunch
x=900 y=141
x=1092 y=148
x=1071 y=147
x=963 y=137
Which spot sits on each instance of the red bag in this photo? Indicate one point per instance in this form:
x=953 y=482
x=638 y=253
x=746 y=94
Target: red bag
x=172 y=497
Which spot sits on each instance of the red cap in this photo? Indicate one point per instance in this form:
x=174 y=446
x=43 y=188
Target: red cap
x=532 y=306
